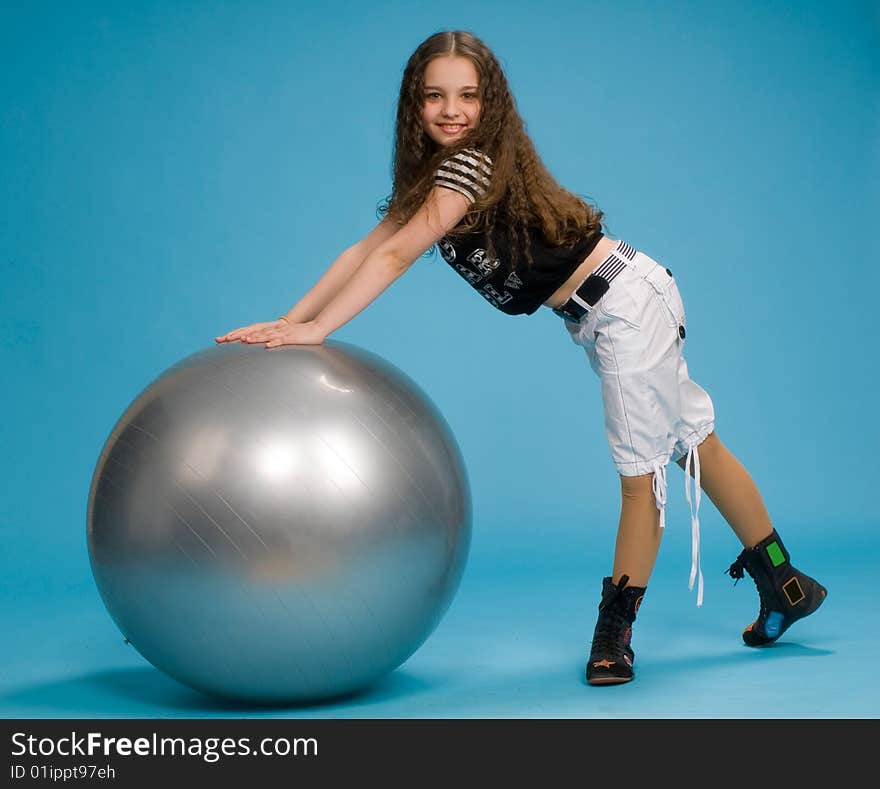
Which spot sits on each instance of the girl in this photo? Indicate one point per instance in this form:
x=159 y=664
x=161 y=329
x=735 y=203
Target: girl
x=468 y=179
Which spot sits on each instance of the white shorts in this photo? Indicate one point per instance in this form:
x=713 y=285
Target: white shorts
x=634 y=336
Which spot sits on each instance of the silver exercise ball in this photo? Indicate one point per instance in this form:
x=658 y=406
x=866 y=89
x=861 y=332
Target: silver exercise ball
x=279 y=525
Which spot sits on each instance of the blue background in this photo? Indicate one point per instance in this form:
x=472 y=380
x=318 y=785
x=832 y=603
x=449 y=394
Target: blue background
x=172 y=170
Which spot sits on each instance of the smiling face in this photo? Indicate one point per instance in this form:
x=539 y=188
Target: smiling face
x=450 y=104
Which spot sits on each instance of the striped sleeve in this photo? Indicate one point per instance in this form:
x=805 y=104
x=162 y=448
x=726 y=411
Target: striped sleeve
x=467 y=172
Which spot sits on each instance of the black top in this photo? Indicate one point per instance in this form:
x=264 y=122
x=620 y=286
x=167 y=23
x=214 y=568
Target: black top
x=513 y=292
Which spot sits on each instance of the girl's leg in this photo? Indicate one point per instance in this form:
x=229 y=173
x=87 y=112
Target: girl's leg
x=786 y=594
x=732 y=491
x=638 y=533
x=638 y=540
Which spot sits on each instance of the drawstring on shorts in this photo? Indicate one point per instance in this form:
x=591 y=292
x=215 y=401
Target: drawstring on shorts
x=659 y=487
x=693 y=456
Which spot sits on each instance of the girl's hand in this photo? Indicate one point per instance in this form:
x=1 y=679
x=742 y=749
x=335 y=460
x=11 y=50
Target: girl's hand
x=240 y=334
x=291 y=334
x=277 y=333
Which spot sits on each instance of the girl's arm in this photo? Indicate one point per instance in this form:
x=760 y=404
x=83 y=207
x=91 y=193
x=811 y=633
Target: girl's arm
x=339 y=273
x=442 y=211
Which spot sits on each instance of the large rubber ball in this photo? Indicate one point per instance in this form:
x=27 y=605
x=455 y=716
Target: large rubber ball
x=279 y=525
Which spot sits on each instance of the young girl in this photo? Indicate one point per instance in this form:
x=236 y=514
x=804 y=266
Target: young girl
x=468 y=179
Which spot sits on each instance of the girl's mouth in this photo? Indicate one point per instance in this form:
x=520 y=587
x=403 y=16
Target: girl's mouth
x=451 y=128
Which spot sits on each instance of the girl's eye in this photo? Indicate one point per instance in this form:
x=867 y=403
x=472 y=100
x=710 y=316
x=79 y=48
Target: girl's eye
x=467 y=95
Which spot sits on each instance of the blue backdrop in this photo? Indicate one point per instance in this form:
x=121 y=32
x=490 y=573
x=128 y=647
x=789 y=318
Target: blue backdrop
x=172 y=170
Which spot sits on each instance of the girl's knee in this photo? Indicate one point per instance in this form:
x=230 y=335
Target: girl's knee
x=709 y=444
x=637 y=487
x=646 y=491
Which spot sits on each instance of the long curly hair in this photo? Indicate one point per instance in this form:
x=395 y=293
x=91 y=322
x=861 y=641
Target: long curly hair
x=522 y=194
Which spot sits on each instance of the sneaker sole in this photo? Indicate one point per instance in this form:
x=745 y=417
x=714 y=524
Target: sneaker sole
x=608 y=680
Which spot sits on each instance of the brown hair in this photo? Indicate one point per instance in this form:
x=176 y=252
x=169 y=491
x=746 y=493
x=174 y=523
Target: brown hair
x=522 y=192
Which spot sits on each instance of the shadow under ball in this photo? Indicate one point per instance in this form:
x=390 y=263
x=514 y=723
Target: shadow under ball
x=279 y=525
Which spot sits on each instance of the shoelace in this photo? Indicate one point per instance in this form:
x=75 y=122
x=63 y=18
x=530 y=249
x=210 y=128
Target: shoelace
x=617 y=593
x=611 y=623
x=607 y=639
x=737 y=572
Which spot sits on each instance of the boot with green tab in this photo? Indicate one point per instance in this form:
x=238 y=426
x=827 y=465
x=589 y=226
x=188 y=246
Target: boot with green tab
x=786 y=593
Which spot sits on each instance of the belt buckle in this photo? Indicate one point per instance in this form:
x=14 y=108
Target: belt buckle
x=568 y=315
x=589 y=291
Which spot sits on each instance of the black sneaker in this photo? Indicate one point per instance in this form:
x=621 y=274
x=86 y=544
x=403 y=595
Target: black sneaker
x=611 y=656
x=786 y=593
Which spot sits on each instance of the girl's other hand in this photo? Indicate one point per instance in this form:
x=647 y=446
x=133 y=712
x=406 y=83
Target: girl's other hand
x=292 y=334
x=277 y=333
x=246 y=331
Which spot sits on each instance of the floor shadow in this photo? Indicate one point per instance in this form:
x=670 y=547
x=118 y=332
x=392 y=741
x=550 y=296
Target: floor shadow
x=137 y=692
x=779 y=650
